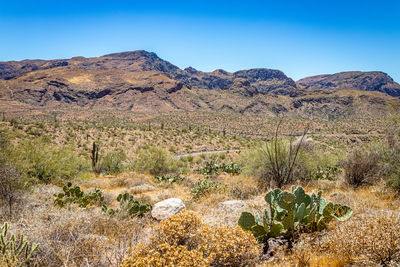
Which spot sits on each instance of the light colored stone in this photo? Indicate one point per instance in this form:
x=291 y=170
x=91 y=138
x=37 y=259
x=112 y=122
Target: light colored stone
x=233 y=205
x=166 y=208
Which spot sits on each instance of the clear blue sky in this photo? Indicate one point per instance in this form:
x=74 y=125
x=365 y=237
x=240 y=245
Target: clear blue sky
x=301 y=38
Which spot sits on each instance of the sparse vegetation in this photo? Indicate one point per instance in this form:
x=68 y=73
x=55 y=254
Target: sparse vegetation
x=204 y=187
x=39 y=156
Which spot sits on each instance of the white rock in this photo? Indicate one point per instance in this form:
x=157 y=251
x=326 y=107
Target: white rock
x=166 y=208
x=233 y=205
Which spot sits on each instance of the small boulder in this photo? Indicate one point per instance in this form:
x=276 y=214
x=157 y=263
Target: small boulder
x=166 y=208
x=233 y=205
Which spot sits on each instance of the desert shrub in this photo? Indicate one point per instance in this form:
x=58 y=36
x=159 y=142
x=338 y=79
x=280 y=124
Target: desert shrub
x=211 y=168
x=9 y=184
x=10 y=180
x=372 y=238
x=203 y=187
x=390 y=152
x=155 y=160
x=112 y=162
x=322 y=165
x=166 y=255
x=243 y=187
x=183 y=240
x=274 y=163
x=48 y=163
x=361 y=167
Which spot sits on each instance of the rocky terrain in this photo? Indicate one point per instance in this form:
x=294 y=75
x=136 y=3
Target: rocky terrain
x=141 y=81
x=366 y=81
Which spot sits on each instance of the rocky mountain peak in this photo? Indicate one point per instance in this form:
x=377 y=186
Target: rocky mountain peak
x=366 y=81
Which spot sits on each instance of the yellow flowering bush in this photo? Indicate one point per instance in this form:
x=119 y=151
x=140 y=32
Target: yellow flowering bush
x=165 y=255
x=179 y=229
x=229 y=246
x=183 y=240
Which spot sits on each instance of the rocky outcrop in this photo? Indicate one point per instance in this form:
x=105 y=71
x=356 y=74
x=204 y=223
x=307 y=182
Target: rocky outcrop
x=243 y=87
x=81 y=87
x=166 y=208
x=265 y=80
x=140 y=81
x=365 y=81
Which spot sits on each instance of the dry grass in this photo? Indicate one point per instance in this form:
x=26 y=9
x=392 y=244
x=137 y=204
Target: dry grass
x=86 y=237
x=73 y=237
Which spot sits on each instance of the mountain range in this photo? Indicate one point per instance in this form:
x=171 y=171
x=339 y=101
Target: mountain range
x=141 y=81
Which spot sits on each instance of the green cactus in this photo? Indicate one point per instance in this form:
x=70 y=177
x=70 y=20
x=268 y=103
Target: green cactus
x=128 y=207
x=95 y=159
x=74 y=195
x=15 y=250
x=291 y=212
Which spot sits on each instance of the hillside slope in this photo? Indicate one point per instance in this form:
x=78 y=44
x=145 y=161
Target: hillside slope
x=366 y=81
x=142 y=82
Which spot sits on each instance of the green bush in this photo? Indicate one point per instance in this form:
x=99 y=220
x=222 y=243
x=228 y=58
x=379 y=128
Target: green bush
x=390 y=151
x=154 y=160
x=204 y=187
x=112 y=162
x=212 y=168
x=47 y=163
x=209 y=168
x=275 y=163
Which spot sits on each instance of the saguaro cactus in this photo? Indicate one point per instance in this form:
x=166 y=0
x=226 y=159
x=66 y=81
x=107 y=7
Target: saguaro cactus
x=95 y=158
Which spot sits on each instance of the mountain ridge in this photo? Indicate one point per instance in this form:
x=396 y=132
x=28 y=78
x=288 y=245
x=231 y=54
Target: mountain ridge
x=263 y=79
x=141 y=81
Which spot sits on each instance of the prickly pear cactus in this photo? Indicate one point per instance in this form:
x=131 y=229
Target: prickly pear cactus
x=291 y=212
x=75 y=195
x=128 y=207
